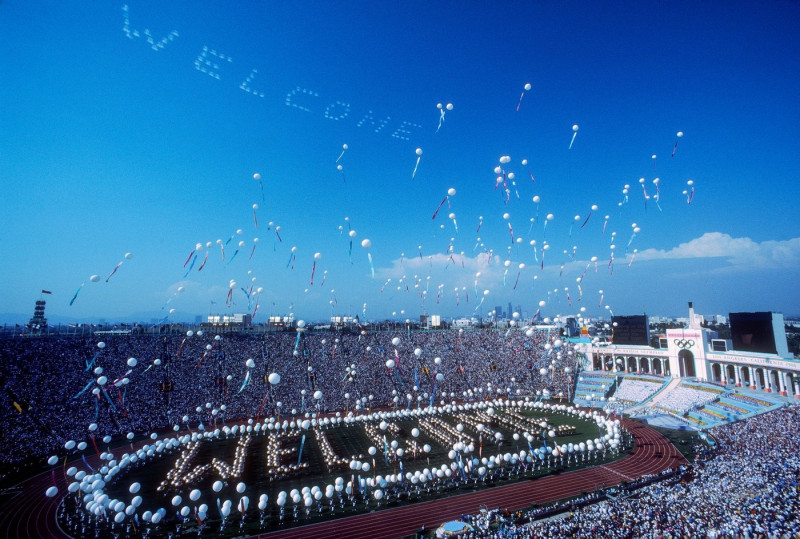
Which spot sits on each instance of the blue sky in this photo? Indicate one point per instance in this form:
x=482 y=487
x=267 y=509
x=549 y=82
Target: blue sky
x=137 y=128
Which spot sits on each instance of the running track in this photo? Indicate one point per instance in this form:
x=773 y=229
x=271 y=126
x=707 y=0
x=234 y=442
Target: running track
x=30 y=513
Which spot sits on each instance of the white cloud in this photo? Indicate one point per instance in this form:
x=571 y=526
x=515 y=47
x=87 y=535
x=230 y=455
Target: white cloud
x=473 y=274
x=737 y=252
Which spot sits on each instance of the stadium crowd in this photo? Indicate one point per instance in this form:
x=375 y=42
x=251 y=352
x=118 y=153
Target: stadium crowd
x=748 y=486
x=53 y=389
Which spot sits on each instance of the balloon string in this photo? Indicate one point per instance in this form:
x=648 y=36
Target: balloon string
x=76 y=294
x=94 y=443
x=575 y=134
x=114 y=271
x=439 y=207
x=244 y=384
x=413 y=174
x=180 y=348
x=187 y=271
x=205 y=259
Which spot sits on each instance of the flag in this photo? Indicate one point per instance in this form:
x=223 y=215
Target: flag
x=46 y=292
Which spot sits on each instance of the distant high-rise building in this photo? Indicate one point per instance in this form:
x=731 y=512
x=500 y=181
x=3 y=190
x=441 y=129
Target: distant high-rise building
x=498 y=311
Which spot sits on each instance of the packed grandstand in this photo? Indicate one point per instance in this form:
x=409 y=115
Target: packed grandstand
x=495 y=406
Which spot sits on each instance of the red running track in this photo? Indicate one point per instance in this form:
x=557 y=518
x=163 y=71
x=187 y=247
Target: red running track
x=31 y=514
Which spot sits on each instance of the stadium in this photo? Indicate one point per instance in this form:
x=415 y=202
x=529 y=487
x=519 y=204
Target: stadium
x=351 y=269
x=521 y=431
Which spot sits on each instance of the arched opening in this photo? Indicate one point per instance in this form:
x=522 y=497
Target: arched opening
x=744 y=375
x=686 y=364
x=597 y=363
x=716 y=373
x=656 y=366
x=631 y=364
x=643 y=365
x=760 y=383
x=788 y=381
x=608 y=363
x=730 y=374
x=773 y=377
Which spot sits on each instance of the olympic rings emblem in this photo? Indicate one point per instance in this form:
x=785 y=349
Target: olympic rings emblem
x=684 y=343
